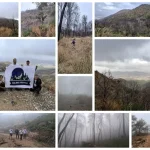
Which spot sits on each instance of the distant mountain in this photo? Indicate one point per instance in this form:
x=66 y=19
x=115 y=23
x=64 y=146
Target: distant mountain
x=131 y=75
x=131 y=23
x=3 y=66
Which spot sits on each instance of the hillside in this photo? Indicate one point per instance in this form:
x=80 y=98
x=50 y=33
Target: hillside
x=120 y=94
x=130 y=23
x=38 y=23
x=8 y=27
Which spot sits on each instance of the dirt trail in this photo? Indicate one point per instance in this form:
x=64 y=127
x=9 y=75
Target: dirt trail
x=6 y=142
x=141 y=141
x=27 y=100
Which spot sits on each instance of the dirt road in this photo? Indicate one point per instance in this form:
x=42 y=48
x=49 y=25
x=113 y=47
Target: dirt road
x=141 y=141
x=6 y=142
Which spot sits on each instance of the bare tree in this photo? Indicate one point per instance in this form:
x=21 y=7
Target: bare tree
x=84 y=24
x=61 y=19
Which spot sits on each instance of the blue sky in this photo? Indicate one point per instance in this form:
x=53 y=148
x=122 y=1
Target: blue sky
x=144 y=116
x=27 y=6
x=85 y=9
x=108 y=8
x=37 y=51
x=9 y=10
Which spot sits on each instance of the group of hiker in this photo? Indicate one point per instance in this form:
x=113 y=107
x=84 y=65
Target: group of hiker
x=37 y=81
x=20 y=134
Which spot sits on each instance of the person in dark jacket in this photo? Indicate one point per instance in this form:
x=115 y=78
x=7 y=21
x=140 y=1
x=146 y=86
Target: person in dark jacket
x=37 y=84
x=17 y=133
x=2 y=83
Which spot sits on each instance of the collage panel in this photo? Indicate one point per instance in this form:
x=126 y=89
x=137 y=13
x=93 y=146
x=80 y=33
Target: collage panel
x=27 y=74
x=38 y=19
x=74 y=93
x=9 y=20
x=74 y=38
x=27 y=130
x=122 y=19
x=140 y=130
x=107 y=130
x=122 y=76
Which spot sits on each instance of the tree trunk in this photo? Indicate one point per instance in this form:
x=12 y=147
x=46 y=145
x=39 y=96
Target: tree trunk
x=124 y=131
x=74 y=136
x=62 y=131
x=61 y=19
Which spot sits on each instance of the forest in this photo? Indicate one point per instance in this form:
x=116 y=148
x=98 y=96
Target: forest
x=120 y=94
x=77 y=94
x=40 y=129
x=140 y=131
x=74 y=39
x=93 y=130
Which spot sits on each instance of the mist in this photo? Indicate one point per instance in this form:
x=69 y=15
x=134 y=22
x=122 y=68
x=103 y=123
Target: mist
x=75 y=93
x=75 y=85
x=93 y=130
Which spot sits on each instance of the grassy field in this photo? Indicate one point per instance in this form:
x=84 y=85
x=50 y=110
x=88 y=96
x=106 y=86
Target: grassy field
x=75 y=60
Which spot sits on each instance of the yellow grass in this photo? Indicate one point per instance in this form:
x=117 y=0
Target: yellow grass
x=5 y=32
x=76 y=59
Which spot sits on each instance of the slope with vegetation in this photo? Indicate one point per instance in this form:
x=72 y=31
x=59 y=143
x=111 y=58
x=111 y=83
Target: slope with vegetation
x=39 y=22
x=120 y=94
x=8 y=27
x=130 y=23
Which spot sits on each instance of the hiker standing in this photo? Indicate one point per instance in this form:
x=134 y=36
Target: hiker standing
x=17 y=133
x=10 y=133
x=24 y=133
x=21 y=134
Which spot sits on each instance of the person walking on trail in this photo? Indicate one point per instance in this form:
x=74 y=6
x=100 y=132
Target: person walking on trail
x=10 y=133
x=21 y=134
x=73 y=43
x=24 y=133
x=17 y=133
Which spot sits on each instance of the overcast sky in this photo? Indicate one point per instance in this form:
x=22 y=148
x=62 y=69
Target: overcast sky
x=75 y=85
x=108 y=8
x=122 y=55
x=27 y=6
x=9 y=10
x=37 y=51
x=144 y=116
x=85 y=9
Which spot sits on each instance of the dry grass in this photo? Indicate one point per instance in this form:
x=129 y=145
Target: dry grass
x=41 y=31
x=5 y=32
x=76 y=59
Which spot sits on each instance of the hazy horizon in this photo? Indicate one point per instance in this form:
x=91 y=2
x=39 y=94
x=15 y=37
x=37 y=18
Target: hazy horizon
x=38 y=51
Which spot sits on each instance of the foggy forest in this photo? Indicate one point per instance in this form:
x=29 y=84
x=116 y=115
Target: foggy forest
x=93 y=130
x=40 y=130
x=75 y=93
